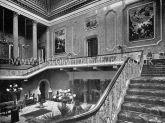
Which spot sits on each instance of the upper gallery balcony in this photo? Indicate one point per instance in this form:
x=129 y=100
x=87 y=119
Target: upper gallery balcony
x=24 y=69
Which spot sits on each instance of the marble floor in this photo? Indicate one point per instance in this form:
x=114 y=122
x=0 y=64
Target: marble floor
x=36 y=114
x=49 y=107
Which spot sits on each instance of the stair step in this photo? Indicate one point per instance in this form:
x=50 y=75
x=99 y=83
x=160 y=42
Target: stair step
x=145 y=99
x=153 y=71
x=144 y=108
x=121 y=121
x=147 y=92
x=153 y=68
x=156 y=80
x=139 y=117
x=158 y=73
x=156 y=65
x=148 y=86
x=153 y=75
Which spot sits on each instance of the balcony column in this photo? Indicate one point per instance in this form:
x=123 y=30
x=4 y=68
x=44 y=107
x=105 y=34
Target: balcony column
x=85 y=90
x=15 y=34
x=34 y=39
x=48 y=43
x=102 y=87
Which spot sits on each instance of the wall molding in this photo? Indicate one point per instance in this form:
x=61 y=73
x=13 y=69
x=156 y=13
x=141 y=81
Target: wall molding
x=115 y=30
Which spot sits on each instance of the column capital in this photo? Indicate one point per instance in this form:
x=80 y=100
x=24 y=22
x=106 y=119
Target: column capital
x=102 y=80
x=85 y=80
x=48 y=28
x=15 y=14
x=35 y=22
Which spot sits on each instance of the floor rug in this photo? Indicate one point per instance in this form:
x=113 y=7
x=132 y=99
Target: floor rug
x=36 y=113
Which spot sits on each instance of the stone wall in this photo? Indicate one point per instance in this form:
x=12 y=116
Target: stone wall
x=112 y=29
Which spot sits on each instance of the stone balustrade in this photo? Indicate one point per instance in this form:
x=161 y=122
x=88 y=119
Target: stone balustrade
x=115 y=59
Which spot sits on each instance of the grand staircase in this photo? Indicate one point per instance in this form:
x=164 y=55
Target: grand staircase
x=144 y=101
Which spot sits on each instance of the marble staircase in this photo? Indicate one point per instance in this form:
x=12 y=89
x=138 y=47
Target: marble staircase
x=144 y=101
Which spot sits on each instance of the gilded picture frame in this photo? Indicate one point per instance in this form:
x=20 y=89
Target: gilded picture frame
x=59 y=41
x=141 y=25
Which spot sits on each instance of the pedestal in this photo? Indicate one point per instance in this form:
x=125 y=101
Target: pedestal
x=14 y=115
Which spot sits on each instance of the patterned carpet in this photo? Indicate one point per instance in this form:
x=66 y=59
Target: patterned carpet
x=36 y=113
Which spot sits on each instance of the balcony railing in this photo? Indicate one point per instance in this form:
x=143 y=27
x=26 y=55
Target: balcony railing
x=55 y=63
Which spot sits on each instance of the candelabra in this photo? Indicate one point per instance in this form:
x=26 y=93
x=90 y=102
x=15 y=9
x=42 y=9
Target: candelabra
x=13 y=89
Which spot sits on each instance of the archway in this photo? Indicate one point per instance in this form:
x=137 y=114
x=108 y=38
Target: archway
x=44 y=88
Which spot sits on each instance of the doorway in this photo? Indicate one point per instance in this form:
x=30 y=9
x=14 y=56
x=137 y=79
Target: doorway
x=44 y=87
x=92 y=46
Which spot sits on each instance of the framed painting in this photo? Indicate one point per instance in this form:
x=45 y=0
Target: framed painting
x=60 y=38
x=141 y=22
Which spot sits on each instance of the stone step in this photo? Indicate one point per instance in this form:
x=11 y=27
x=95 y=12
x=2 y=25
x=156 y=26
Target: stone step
x=156 y=65
x=145 y=99
x=121 y=121
x=153 y=70
x=144 y=108
x=147 y=86
x=156 y=80
x=146 y=92
x=153 y=75
x=136 y=117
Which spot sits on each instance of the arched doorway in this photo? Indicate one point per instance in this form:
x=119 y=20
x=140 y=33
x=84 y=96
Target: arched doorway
x=44 y=87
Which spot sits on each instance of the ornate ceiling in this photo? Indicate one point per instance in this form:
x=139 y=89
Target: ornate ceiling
x=51 y=9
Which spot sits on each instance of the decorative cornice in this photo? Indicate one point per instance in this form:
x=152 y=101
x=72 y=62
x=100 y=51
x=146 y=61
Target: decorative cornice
x=47 y=18
x=31 y=6
x=70 y=7
x=44 y=9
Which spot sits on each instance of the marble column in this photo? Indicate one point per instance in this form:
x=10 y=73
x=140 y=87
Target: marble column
x=48 y=43
x=15 y=34
x=102 y=87
x=34 y=39
x=85 y=90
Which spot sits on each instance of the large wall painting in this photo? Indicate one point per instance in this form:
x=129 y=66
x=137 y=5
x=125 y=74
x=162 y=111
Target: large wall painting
x=60 y=41
x=141 y=22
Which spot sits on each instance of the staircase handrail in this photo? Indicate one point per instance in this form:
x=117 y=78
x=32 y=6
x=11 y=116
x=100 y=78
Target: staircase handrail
x=100 y=102
x=92 y=112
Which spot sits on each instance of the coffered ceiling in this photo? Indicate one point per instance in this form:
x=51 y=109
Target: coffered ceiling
x=52 y=9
